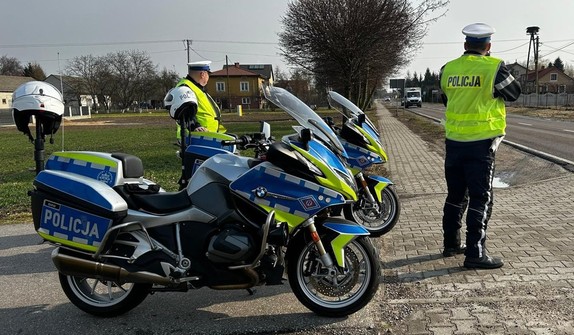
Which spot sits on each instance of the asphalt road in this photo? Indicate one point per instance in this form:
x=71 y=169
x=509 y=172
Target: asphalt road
x=32 y=302
x=554 y=137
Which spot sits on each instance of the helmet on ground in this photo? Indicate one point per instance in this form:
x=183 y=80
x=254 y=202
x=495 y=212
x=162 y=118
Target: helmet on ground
x=41 y=100
x=181 y=103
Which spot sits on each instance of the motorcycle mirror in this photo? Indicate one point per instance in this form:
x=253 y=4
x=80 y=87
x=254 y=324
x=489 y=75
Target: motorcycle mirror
x=361 y=119
x=265 y=129
x=306 y=135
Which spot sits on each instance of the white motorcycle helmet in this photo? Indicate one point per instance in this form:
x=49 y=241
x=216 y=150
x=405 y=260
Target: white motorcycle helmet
x=181 y=103
x=40 y=99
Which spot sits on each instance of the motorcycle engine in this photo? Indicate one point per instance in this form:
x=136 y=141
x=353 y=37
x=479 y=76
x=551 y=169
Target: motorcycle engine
x=231 y=246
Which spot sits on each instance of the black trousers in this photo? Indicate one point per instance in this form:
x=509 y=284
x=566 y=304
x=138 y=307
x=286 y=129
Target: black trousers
x=469 y=171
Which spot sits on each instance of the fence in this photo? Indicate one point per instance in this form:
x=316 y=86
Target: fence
x=75 y=112
x=550 y=100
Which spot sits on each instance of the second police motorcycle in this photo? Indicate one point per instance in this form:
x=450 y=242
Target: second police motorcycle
x=377 y=206
x=240 y=222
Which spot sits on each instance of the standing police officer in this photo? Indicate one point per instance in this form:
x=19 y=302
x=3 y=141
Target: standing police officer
x=208 y=117
x=474 y=87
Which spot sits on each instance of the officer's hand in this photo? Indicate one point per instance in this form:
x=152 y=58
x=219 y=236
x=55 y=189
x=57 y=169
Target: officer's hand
x=200 y=129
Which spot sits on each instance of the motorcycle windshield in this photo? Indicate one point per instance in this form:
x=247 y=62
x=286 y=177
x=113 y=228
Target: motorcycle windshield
x=304 y=115
x=343 y=105
x=350 y=110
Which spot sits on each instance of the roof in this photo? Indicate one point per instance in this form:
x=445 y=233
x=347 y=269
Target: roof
x=266 y=70
x=69 y=83
x=545 y=71
x=234 y=71
x=515 y=64
x=11 y=83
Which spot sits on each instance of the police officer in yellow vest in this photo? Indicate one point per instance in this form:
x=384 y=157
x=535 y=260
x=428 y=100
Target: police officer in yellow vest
x=474 y=87
x=208 y=117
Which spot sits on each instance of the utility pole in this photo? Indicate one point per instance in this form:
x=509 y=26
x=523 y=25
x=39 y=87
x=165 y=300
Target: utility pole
x=188 y=48
x=228 y=88
x=534 y=43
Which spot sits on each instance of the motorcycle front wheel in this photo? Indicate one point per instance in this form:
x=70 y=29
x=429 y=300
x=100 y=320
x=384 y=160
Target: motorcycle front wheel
x=377 y=218
x=334 y=292
x=103 y=298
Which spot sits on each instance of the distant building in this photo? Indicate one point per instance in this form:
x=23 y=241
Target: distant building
x=550 y=80
x=234 y=86
x=8 y=84
x=265 y=70
x=516 y=70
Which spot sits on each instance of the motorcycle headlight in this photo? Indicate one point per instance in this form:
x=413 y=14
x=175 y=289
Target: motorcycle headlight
x=349 y=179
x=310 y=165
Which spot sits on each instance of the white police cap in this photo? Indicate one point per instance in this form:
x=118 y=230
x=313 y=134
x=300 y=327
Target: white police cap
x=199 y=66
x=478 y=32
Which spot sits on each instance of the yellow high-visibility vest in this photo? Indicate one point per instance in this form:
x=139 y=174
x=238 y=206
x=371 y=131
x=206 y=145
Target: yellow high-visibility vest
x=208 y=114
x=472 y=112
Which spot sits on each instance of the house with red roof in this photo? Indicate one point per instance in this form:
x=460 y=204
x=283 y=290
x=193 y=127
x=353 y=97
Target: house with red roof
x=550 y=80
x=234 y=85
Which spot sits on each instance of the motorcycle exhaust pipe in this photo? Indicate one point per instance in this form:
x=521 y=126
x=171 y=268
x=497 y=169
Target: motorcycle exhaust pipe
x=76 y=266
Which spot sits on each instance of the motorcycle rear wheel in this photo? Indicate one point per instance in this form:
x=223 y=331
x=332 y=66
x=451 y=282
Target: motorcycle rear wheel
x=103 y=298
x=378 y=221
x=336 y=295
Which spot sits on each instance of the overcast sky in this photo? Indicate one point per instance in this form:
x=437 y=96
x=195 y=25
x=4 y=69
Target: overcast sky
x=52 y=32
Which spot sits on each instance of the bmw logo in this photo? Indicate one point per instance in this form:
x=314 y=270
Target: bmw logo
x=260 y=192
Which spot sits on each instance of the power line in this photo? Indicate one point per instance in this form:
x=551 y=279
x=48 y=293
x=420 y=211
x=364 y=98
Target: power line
x=83 y=44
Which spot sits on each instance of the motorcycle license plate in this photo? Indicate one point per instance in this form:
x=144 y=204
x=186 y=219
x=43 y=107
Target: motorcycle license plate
x=72 y=227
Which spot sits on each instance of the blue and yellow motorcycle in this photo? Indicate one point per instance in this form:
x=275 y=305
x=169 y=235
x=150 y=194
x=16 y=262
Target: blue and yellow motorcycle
x=378 y=207
x=239 y=222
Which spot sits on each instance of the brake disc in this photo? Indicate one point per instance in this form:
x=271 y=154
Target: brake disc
x=340 y=284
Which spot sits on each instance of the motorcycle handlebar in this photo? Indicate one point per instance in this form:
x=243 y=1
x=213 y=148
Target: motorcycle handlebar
x=243 y=140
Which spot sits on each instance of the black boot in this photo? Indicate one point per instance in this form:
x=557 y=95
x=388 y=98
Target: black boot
x=484 y=262
x=452 y=251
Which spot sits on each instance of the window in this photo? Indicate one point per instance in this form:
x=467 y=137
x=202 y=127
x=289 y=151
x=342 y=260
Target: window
x=220 y=86
x=553 y=77
x=3 y=101
x=245 y=101
x=244 y=86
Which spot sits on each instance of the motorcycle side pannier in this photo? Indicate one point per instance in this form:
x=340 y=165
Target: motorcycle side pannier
x=74 y=210
x=110 y=168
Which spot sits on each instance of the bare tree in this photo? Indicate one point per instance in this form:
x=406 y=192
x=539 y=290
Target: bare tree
x=132 y=71
x=353 y=45
x=165 y=80
x=10 y=66
x=97 y=79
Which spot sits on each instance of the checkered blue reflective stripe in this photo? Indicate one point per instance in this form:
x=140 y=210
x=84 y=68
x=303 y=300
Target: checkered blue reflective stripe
x=360 y=157
x=84 y=188
x=270 y=187
x=207 y=141
x=104 y=173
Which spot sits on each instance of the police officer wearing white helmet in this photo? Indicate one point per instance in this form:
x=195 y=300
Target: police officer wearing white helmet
x=475 y=87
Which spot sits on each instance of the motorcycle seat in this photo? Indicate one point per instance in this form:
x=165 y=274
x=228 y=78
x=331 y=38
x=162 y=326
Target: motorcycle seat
x=162 y=202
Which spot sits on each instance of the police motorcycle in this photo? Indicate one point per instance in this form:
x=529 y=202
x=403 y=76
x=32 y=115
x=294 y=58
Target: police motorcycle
x=378 y=207
x=239 y=223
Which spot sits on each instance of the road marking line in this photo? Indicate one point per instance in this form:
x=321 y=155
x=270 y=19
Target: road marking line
x=568 y=130
x=525 y=124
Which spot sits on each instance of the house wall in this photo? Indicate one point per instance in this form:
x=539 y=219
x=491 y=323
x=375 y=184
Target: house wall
x=5 y=100
x=234 y=95
x=555 y=82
